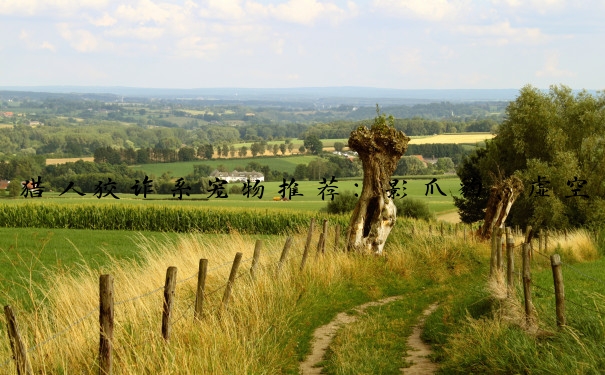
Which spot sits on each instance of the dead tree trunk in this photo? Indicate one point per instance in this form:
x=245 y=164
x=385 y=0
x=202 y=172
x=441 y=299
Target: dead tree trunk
x=379 y=149
x=501 y=198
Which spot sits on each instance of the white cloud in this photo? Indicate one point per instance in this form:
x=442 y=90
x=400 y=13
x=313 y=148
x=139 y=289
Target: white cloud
x=31 y=7
x=48 y=46
x=430 y=10
x=408 y=61
x=197 y=47
x=542 y=6
x=304 y=12
x=143 y=32
x=146 y=11
x=81 y=40
x=551 y=68
x=502 y=33
x=106 y=20
x=228 y=10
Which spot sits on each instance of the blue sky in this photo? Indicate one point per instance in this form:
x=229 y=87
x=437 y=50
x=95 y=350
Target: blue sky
x=403 y=44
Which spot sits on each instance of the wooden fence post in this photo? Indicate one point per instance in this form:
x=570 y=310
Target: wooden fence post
x=284 y=253
x=106 y=324
x=232 y=276
x=493 y=260
x=336 y=237
x=510 y=260
x=169 y=288
x=17 y=346
x=500 y=244
x=347 y=240
x=528 y=236
x=527 y=283
x=320 y=244
x=308 y=244
x=201 y=285
x=255 y=257
x=557 y=275
x=540 y=240
x=325 y=232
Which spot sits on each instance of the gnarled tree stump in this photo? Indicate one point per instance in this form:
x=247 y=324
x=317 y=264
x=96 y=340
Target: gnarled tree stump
x=501 y=198
x=379 y=149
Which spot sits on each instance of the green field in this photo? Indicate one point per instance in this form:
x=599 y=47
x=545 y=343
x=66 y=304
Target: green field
x=311 y=199
x=182 y=169
x=26 y=254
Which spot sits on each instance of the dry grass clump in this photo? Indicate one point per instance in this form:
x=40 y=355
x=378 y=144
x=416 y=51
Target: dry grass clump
x=577 y=245
x=252 y=335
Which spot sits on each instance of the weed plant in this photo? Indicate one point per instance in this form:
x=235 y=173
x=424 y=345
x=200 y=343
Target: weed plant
x=268 y=323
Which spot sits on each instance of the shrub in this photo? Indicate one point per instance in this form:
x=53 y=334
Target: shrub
x=343 y=202
x=236 y=188
x=413 y=208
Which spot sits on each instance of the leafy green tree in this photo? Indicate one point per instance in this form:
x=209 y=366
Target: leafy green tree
x=187 y=154
x=208 y=151
x=339 y=146
x=282 y=148
x=313 y=144
x=301 y=172
x=555 y=136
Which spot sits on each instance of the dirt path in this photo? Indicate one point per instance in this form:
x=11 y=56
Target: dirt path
x=322 y=337
x=419 y=351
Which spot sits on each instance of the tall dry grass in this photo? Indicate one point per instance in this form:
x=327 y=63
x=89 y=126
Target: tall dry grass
x=253 y=335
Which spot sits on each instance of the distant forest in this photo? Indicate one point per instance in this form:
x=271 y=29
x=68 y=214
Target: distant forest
x=76 y=125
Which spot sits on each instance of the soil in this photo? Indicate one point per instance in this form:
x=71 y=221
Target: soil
x=322 y=337
x=419 y=350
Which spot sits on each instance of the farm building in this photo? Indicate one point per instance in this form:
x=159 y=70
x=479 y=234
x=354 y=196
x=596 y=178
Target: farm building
x=238 y=176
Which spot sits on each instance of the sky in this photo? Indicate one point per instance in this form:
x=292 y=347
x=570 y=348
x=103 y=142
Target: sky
x=400 y=44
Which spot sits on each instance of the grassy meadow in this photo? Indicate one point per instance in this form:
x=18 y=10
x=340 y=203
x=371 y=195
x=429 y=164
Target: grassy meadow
x=268 y=324
x=310 y=201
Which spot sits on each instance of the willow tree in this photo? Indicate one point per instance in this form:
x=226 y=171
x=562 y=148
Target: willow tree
x=379 y=149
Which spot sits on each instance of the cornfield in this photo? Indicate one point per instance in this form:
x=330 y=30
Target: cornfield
x=156 y=218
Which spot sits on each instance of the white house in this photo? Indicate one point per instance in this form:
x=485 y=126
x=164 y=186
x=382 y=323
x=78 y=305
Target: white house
x=237 y=176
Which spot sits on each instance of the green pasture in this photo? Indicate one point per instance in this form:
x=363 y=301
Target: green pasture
x=26 y=254
x=310 y=200
x=182 y=169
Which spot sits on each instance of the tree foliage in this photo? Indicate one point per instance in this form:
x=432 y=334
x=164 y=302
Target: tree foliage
x=555 y=143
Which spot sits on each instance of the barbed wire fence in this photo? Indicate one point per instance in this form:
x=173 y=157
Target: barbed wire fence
x=270 y=255
x=572 y=296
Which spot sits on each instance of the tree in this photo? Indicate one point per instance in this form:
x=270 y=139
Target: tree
x=186 y=154
x=208 y=151
x=339 y=146
x=232 y=151
x=550 y=141
x=243 y=151
x=302 y=149
x=445 y=164
x=471 y=205
x=275 y=149
x=290 y=147
x=313 y=144
x=225 y=150
x=257 y=148
x=282 y=148
x=300 y=172
x=379 y=149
